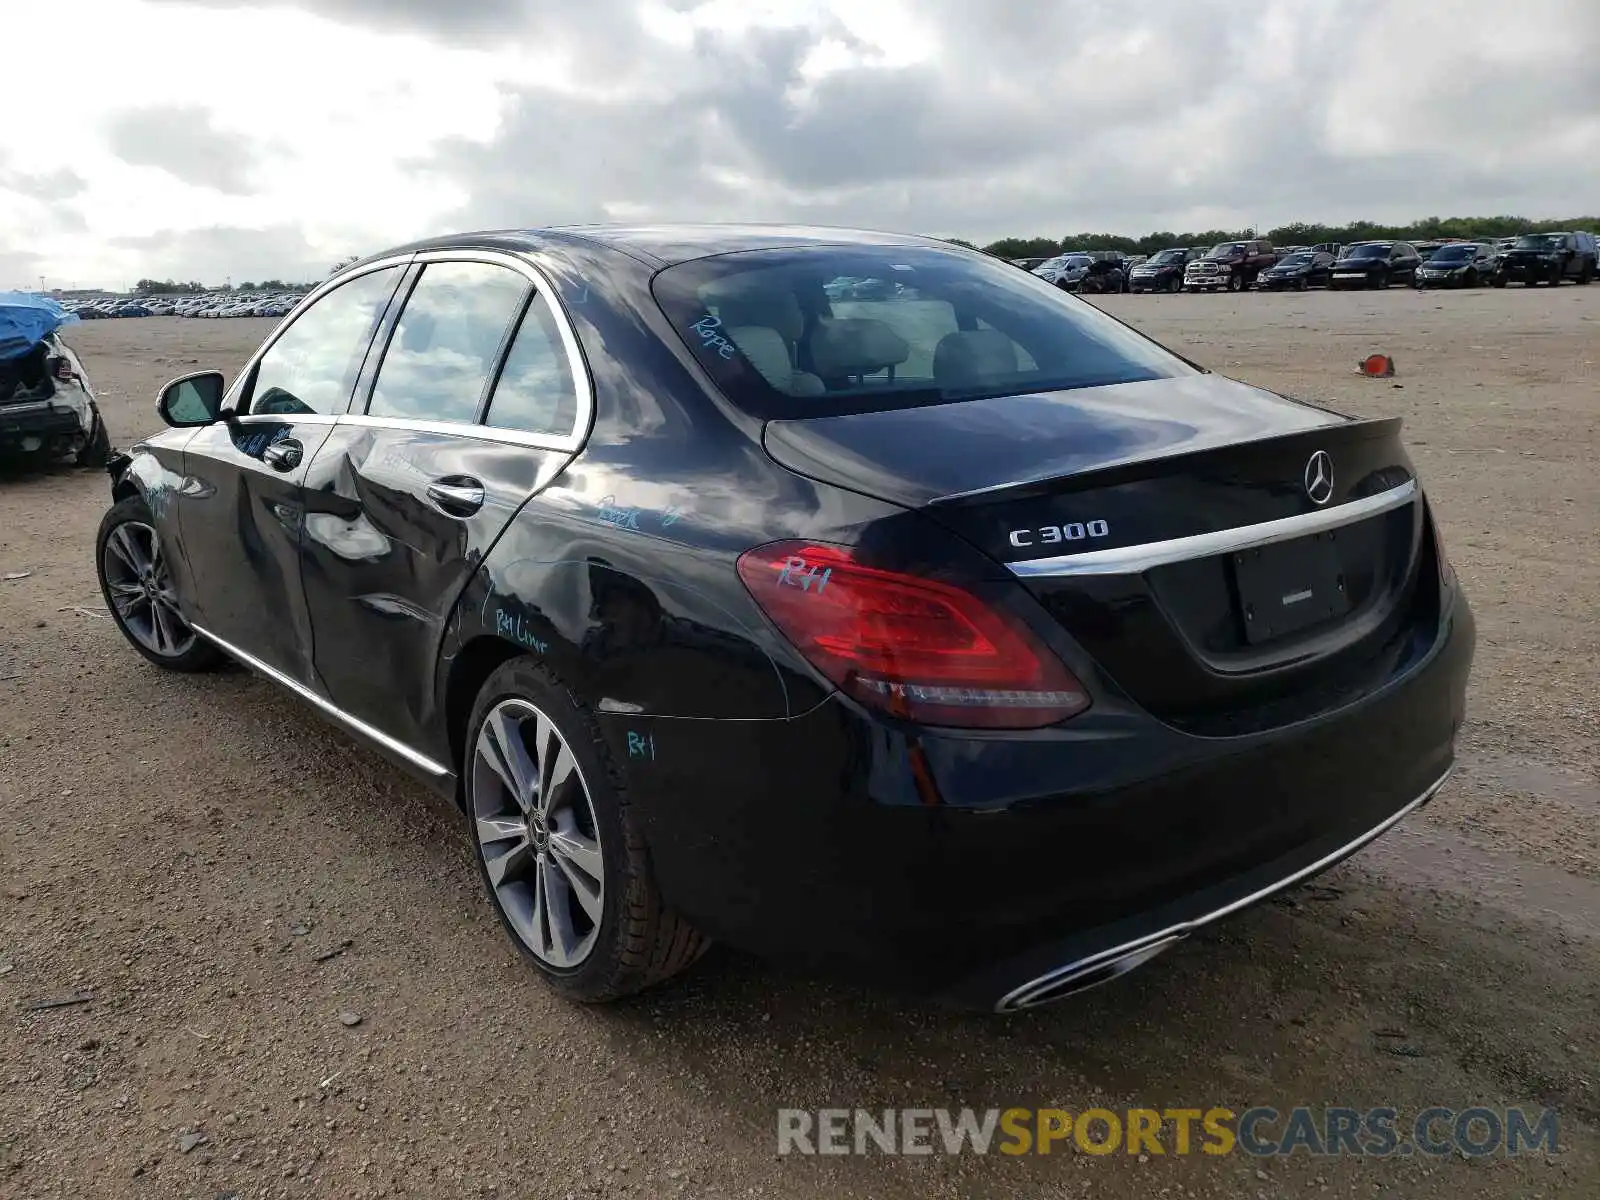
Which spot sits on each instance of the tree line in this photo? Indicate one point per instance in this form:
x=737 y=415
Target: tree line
x=1300 y=233
x=170 y=287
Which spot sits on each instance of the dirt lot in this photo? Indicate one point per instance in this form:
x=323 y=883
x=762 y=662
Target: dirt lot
x=186 y=848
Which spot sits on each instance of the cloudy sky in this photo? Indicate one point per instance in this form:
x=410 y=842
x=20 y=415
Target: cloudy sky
x=254 y=138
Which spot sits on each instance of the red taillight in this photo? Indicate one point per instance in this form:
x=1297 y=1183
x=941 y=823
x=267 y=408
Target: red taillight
x=929 y=652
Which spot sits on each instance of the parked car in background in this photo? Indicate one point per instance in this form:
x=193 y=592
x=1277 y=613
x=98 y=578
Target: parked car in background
x=1375 y=265
x=1106 y=273
x=1299 y=270
x=727 y=611
x=1163 y=271
x=1066 y=271
x=1458 y=264
x=1028 y=264
x=1229 y=266
x=47 y=408
x=1547 y=258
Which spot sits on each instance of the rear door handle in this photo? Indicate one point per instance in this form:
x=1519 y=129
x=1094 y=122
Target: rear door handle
x=458 y=495
x=284 y=454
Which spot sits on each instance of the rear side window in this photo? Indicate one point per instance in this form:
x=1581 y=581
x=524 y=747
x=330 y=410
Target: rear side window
x=447 y=341
x=820 y=330
x=312 y=366
x=536 y=393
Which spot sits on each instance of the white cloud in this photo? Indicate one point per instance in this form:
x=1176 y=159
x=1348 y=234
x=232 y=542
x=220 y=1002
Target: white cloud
x=212 y=133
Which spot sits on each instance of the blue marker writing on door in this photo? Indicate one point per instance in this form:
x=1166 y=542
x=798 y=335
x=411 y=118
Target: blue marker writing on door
x=642 y=745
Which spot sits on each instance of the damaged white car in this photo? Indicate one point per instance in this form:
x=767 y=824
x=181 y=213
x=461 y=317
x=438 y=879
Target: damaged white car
x=47 y=408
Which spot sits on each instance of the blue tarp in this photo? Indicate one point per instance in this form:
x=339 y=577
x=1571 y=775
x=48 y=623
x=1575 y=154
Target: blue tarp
x=26 y=320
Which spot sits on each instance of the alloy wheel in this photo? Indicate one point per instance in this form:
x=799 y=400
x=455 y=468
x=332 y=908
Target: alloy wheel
x=139 y=584
x=535 y=826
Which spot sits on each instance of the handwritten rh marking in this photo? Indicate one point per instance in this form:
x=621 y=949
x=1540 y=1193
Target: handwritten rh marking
x=642 y=745
x=796 y=573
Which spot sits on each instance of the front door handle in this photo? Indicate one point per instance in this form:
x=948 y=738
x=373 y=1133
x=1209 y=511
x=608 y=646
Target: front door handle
x=458 y=495
x=284 y=454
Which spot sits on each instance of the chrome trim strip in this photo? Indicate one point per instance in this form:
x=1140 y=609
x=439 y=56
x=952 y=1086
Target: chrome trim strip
x=1130 y=560
x=1018 y=997
x=328 y=707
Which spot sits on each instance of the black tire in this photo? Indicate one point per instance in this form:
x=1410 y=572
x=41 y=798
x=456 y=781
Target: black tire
x=1557 y=274
x=639 y=942
x=1498 y=281
x=199 y=655
x=1378 y=281
x=1235 y=282
x=96 y=451
x=1586 y=274
x=1301 y=284
x=1470 y=279
x=1175 y=284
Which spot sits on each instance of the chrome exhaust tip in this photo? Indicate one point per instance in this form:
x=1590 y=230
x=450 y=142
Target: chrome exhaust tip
x=1082 y=976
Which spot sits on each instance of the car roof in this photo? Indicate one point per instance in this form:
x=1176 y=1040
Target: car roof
x=666 y=244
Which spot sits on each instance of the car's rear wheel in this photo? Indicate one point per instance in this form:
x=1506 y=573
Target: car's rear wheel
x=1235 y=282
x=1175 y=285
x=559 y=851
x=136 y=582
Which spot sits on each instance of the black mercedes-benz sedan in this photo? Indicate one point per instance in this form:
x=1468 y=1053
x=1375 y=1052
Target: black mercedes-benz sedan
x=951 y=635
x=1299 y=270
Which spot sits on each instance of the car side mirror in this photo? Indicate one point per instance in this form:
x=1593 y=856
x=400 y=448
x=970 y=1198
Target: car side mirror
x=192 y=401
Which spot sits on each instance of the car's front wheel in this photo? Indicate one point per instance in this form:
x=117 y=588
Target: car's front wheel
x=559 y=850
x=136 y=582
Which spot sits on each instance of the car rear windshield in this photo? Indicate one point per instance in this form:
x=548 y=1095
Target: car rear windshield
x=826 y=330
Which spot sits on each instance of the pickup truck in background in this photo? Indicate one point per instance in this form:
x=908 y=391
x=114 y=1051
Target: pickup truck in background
x=1229 y=266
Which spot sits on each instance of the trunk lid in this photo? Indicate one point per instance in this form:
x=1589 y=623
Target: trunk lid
x=1074 y=491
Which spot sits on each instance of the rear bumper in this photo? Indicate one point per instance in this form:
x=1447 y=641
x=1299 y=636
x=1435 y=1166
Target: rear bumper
x=969 y=867
x=38 y=421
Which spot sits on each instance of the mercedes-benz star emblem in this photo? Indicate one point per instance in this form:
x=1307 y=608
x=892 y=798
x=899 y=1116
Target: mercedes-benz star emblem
x=1319 y=477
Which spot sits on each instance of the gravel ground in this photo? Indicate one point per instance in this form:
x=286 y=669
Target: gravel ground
x=188 y=852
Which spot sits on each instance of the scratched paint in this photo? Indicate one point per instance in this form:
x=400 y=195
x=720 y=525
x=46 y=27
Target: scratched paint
x=513 y=626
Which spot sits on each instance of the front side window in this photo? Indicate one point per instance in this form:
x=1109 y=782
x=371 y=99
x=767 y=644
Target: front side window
x=312 y=366
x=916 y=326
x=447 y=341
x=536 y=393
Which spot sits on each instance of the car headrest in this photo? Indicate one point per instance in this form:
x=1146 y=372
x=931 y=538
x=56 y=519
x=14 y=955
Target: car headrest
x=766 y=350
x=972 y=355
x=759 y=306
x=769 y=354
x=855 y=346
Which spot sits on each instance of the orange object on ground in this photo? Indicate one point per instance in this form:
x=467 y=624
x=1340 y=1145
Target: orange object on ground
x=1378 y=366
